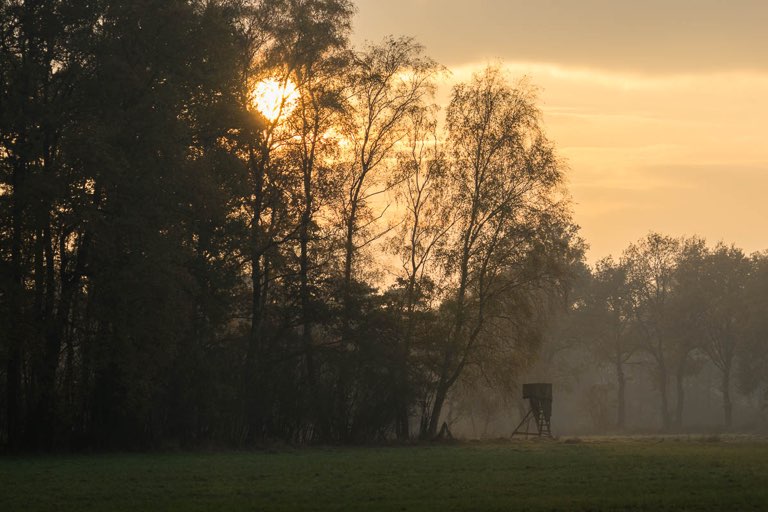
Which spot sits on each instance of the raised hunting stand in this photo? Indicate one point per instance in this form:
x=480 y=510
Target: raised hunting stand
x=539 y=397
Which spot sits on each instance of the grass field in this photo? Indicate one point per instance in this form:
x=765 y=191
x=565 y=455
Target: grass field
x=592 y=475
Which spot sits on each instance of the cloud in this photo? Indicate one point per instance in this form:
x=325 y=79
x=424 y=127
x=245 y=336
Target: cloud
x=652 y=36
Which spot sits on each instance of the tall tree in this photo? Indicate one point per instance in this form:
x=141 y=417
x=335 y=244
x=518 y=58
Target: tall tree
x=314 y=44
x=267 y=88
x=42 y=60
x=389 y=82
x=512 y=231
x=420 y=238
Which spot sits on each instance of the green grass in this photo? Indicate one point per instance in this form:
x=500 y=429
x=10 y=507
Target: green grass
x=634 y=474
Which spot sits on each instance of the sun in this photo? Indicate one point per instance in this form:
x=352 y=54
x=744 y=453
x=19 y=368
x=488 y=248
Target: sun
x=274 y=98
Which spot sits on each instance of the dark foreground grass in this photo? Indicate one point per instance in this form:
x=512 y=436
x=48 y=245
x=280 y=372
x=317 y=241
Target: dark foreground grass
x=647 y=474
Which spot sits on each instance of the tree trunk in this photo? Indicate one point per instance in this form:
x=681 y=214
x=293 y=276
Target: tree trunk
x=402 y=412
x=437 y=409
x=250 y=391
x=680 y=388
x=13 y=364
x=13 y=383
x=52 y=327
x=665 y=418
x=403 y=429
x=402 y=409
x=50 y=359
x=309 y=133
x=342 y=409
x=621 y=399
x=349 y=249
x=727 y=405
x=315 y=412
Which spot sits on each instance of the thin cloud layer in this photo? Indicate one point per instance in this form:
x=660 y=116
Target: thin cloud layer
x=652 y=36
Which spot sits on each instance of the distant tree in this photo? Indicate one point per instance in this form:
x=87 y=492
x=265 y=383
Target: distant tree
x=686 y=314
x=605 y=320
x=726 y=314
x=650 y=265
x=753 y=353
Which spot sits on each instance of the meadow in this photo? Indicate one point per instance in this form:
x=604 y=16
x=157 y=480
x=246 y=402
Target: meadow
x=595 y=474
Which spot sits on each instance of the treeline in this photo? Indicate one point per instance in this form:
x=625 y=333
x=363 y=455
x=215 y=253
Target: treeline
x=184 y=262
x=671 y=319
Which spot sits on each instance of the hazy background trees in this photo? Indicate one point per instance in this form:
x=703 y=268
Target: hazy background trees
x=676 y=307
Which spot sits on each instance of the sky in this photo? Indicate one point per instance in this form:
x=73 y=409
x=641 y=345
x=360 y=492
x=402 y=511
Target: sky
x=660 y=108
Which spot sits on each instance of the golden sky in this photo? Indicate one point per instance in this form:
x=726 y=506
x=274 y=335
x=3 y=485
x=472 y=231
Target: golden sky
x=659 y=107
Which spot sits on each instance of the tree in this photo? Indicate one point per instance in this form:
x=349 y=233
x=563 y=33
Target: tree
x=112 y=246
x=650 y=265
x=725 y=316
x=298 y=47
x=605 y=319
x=753 y=353
x=685 y=313
x=388 y=83
x=512 y=232
x=314 y=47
x=420 y=237
x=42 y=62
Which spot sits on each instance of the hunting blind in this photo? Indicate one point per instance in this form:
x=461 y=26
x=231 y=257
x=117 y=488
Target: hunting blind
x=539 y=398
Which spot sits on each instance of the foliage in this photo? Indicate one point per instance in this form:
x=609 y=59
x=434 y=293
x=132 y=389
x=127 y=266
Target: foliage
x=676 y=306
x=179 y=267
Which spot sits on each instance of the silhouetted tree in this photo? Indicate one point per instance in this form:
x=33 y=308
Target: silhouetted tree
x=419 y=239
x=177 y=265
x=388 y=83
x=512 y=230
